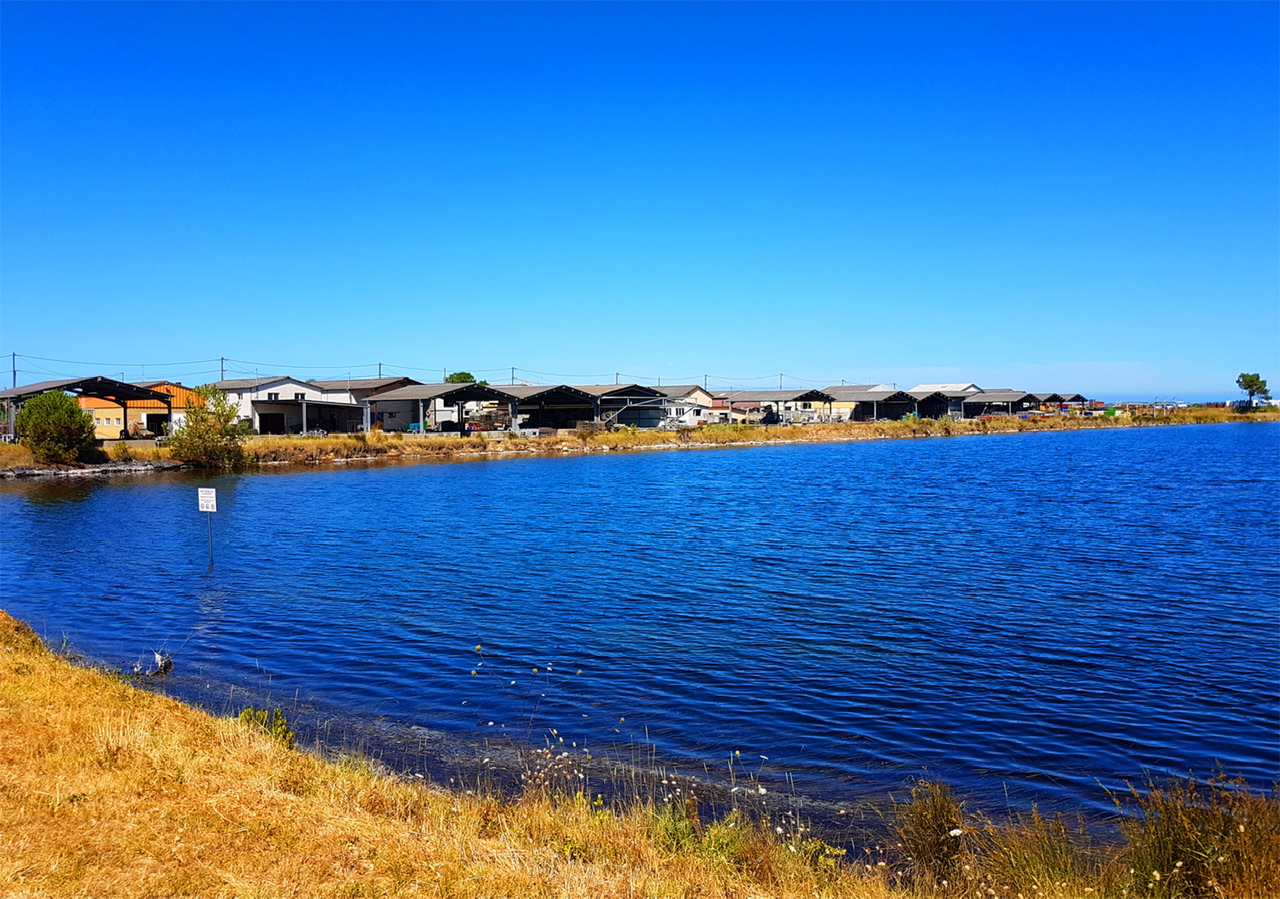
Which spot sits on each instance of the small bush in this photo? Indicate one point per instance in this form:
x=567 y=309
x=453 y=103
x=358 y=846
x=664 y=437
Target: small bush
x=273 y=722
x=120 y=452
x=55 y=428
x=209 y=435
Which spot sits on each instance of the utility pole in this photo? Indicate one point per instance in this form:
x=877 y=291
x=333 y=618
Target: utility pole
x=615 y=378
x=379 y=369
x=513 y=375
x=15 y=371
x=222 y=368
x=779 y=380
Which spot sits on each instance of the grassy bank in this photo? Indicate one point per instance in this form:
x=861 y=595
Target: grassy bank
x=109 y=790
x=378 y=445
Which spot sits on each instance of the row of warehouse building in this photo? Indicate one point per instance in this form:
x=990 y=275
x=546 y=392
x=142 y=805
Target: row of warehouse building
x=285 y=405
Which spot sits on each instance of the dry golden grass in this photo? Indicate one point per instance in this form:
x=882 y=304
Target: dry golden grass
x=15 y=455
x=108 y=790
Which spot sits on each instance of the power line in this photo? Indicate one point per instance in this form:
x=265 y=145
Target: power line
x=115 y=364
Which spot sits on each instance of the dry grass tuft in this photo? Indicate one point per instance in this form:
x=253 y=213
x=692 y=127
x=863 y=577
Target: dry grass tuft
x=15 y=455
x=1203 y=838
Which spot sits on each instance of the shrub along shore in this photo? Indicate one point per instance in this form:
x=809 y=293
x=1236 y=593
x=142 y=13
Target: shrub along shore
x=110 y=790
x=381 y=446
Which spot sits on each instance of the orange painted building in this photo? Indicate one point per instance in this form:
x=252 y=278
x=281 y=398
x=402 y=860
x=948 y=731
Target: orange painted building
x=146 y=417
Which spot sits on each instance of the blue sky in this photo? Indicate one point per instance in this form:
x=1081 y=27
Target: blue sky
x=1074 y=196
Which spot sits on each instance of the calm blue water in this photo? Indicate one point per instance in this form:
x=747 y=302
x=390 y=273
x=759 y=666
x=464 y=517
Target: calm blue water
x=1031 y=617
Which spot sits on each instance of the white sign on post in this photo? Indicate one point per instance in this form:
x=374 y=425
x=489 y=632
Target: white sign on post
x=208 y=499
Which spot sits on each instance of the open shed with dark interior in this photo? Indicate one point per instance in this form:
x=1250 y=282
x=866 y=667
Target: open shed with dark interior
x=119 y=392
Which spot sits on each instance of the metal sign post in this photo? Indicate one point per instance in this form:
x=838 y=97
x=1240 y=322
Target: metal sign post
x=209 y=503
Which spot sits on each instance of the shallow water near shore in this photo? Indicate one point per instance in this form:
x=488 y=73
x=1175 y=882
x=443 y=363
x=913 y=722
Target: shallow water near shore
x=1033 y=618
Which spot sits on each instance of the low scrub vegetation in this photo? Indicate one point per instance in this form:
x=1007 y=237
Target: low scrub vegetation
x=111 y=790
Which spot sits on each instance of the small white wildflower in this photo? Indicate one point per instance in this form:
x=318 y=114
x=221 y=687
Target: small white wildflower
x=762 y=790
x=956 y=833
x=1155 y=875
x=778 y=829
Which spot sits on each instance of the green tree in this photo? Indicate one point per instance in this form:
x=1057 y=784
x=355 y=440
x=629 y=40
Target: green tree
x=1254 y=385
x=462 y=377
x=209 y=436
x=55 y=428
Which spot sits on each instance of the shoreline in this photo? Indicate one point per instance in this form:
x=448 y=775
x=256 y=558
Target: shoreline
x=269 y=453
x=116 y=790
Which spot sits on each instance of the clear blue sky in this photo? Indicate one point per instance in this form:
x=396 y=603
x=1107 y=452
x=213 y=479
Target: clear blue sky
x=1073 y=196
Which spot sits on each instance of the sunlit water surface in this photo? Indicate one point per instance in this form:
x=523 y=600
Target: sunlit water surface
x=1034 y=618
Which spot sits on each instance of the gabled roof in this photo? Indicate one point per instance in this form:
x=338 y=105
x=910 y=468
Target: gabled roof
x=179 y=396
x=680 y=390
x=545 y=393
x=242 y=384
x=868 y=393
x=98 y=387
x=1002 y=395
x=362 y=383
x=619 y=390
x=948 y=389
x=453 y=393
x=778 y=396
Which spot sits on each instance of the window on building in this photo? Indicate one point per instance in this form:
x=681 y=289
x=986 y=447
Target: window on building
x=299 y=396
x=273 y=396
